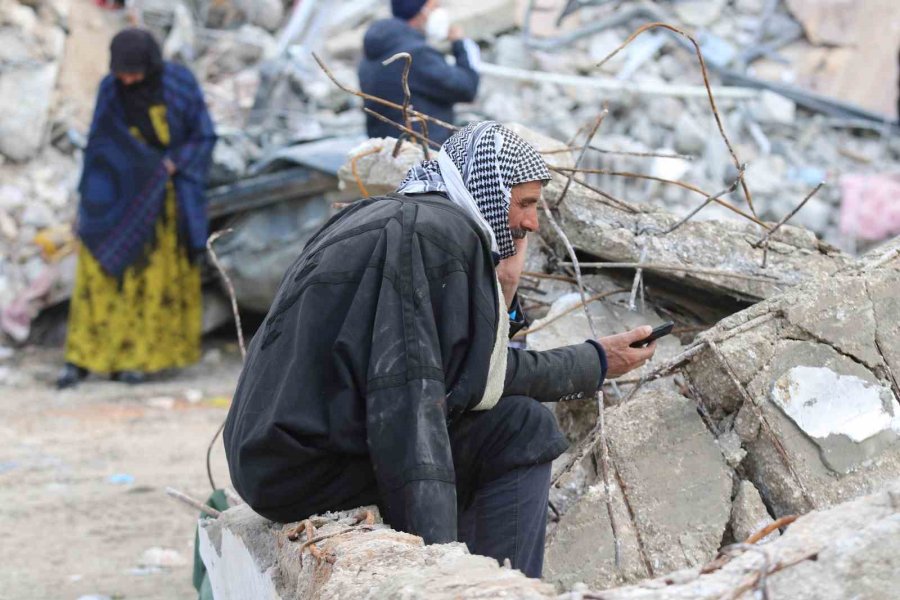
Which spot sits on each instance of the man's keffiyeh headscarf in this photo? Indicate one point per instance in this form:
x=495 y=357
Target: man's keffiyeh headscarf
x=476 y=168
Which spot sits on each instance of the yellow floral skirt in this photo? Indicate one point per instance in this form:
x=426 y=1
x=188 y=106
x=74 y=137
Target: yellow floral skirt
x=149 y=323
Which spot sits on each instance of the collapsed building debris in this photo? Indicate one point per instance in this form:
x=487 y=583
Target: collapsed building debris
x=819 y=556
x=249 y=557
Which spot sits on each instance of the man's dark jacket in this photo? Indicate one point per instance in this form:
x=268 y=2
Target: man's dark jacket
x=435 y=85
x=378 y=340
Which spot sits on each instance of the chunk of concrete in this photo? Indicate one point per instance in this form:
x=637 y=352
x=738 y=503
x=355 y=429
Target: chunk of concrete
x=849 y=551
x=24 y=124
x=373 y=165
x=845 y=415
x=612 y=233
x=749 y=514
x=566 y=323
x=249 y=557
x=671 y=497
x=676 y=481
x=581 y=547
x=818 y=411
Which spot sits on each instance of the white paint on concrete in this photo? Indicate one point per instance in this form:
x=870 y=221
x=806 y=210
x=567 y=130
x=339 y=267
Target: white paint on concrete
x=233 y=573
x=823 y=403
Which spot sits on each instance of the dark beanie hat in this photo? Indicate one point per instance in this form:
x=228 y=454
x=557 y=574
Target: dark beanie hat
x=406 y=9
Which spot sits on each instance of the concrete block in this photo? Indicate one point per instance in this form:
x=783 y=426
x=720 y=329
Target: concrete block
x=749 y=514
x=820 y=372
x=849 y=551
x=675 y=478
x=250 y=557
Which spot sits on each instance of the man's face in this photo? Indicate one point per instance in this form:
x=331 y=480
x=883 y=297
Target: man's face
x=523 y=205
x=130 y=78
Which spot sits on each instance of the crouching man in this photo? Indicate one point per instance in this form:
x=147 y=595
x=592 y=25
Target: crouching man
x=382 y=375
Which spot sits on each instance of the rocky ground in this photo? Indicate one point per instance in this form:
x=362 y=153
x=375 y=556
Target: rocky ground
x=83 y=472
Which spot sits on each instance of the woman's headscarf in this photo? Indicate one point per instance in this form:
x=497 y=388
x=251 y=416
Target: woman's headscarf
x=477 y=168
x=135 y=50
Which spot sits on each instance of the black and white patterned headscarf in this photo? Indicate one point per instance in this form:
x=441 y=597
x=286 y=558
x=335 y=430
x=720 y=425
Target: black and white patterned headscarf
x=477 y=167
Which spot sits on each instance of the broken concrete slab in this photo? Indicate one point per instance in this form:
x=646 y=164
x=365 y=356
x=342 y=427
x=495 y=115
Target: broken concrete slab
x=849 y=551
x=677 y=482
x=566 y=323
x=675 y=486
x=580 y=548
x=613 y=233
x=811 y=379
x=248 y=556
x=749 y=514
x=373 y=165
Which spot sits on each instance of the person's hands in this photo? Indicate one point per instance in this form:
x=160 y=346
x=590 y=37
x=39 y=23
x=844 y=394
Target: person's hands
x=455 y=33
x=170 y=166
x=621 y=357
x=509 y=270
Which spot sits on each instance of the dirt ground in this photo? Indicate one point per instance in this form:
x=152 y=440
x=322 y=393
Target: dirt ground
x=83 y=474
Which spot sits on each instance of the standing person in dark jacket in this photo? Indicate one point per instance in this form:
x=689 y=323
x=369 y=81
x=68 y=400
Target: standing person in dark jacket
x=382 y=375
x=435 y=85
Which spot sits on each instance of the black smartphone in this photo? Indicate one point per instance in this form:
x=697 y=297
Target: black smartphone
x=658 y=332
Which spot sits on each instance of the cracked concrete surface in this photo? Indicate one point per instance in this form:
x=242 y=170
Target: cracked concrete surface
x=833 y=343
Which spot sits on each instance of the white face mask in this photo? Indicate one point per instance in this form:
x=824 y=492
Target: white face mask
x=437 y=27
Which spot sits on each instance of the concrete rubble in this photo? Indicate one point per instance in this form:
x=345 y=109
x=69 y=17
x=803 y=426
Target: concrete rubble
x=249 y=557
x=848 y=551
x=809 y=385
x=786 y=404
x=819 y=556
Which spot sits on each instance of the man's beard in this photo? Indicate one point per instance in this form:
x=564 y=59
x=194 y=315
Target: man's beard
x=518 y=234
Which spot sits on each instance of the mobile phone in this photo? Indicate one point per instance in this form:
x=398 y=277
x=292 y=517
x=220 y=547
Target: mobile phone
x=658 y=332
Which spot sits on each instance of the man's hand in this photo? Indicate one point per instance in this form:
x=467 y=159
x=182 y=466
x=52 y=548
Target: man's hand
x=170 y=166
x=509 y=270
x=620 y=357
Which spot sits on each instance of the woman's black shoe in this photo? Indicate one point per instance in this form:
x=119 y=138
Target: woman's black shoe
x=70 y=376
x=129 y=377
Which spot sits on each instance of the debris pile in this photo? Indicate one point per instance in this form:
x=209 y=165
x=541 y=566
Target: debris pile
x=819 y=556
x=786 y=401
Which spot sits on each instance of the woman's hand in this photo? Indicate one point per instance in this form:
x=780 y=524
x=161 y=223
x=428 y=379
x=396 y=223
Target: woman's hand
x=621 y=357
x=170 y=166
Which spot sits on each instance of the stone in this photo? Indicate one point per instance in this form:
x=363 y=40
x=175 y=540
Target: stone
x=699 y=13
x=376 y=167
x=690 y=136
x=677 y=482
x=749 y=514
x=774 y=108
x=511 y=51
x=12 y=197
x=581 y=550
x=24 y=123
x=267 y=14
x=849 y=551
x=483 y=19
x=37 y=215
x=608 y=232
x=818 y=365
x=816 y=215
x=247 y=556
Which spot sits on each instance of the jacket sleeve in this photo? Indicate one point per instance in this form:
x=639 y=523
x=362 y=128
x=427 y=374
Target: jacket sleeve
x=433 y=77
x=406 y=405
x=567 y=373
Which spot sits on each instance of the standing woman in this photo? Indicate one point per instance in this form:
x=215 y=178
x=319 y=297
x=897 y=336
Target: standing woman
x=136 y=307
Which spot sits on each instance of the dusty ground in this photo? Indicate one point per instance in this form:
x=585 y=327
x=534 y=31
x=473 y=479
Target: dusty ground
x=68 y=529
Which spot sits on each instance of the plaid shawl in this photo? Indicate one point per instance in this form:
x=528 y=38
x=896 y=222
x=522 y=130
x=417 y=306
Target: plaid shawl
x=477 y=168
x=123 y=182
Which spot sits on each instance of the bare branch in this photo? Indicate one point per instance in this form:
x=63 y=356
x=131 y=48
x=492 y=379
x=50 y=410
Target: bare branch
x=712 y=102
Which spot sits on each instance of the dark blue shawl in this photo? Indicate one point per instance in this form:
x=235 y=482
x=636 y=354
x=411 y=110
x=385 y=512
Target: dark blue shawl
x=123 y=182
